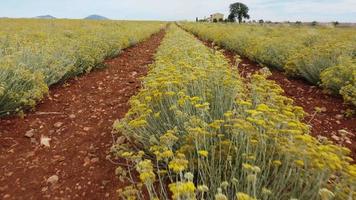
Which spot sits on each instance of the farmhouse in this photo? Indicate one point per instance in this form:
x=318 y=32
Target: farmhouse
x=216 y=17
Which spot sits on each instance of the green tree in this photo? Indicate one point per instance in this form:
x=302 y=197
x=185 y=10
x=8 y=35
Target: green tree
x=231 y=18
x=240 y=11
x=336 y=23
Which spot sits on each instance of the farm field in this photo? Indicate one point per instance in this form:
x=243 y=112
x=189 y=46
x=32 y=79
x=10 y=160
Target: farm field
x=142 y=110
x=35 y=54
x=199 y=126
x=322 y=56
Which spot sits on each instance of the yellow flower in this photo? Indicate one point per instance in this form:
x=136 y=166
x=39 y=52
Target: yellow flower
x=203 y=188
x=326 y=194
x=216 y=124
x=243 y=196
x=203 y=153
x=178 y=164
x=220 y=196
x=224 y=184
x=277 y=163
x=147 y=177
x=266 y=191
x=167 y=154
x=145 y=168
x=299 y=163
x=182 y=190
x=138 y=123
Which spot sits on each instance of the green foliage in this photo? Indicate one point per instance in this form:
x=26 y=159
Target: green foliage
x=342 y=79
x=240 y=11
x=35 y=54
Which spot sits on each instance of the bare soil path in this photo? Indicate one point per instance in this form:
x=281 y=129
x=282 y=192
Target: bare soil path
x=77 y=117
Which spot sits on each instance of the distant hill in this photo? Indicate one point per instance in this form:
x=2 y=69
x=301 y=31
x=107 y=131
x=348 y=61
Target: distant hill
x=96 y=17
x=45 y=17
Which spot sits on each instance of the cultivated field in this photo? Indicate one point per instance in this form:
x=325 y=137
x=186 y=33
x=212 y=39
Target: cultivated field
x=166 y=114
x=200 y=127
x=321 y=56
x=35 y=54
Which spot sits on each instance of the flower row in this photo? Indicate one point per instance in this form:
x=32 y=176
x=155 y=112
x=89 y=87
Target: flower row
x=35 y=54
x=324 y=56
x=199 y=131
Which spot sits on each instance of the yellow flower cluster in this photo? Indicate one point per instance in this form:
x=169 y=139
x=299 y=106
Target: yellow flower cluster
x=183 y=190
x=35 y=54
x=250 y=133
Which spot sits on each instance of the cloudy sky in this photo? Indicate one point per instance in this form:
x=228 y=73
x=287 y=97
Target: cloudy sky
x=275 y=10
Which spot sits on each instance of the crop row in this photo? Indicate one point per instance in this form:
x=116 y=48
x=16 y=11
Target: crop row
x=325 y=56
x=35 y=54
x=199 y=131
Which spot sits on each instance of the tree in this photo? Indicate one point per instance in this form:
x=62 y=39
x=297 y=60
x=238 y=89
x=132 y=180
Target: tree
x=231 y=18
x=314 y=23
x=336 y=23
x=240 y=11
x=261 y=21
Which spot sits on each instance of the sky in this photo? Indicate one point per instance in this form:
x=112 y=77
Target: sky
x=169 y=10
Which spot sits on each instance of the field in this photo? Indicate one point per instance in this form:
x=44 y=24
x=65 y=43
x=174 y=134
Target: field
x=41 y=53
x=321 y=56
x=154 y=110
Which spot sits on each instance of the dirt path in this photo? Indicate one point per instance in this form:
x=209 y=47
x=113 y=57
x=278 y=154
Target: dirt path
x=82 y=112
x=327 y=123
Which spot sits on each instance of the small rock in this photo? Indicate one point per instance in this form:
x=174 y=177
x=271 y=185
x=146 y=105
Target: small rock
x=44 y=189
x=9 y=174
x=86 y=128
x=95 y=160
x=45 y=141
x=34 y=141
x=323 y=109
x=105 y=182
x=6 y=196
x=335 y=137
x=53 y=179
x=72 y=116
x=134 y=73
x=86 y=161
x=59 y=158
x=343 y=132
x=30 y=133
x=58 y=124
x=339 y=117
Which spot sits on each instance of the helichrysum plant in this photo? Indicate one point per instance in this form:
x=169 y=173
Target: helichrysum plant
x=35 y=54
x=197 y=130
x=315 y=54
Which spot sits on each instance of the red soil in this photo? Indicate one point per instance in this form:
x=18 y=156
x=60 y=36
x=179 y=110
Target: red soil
x=77 y=116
